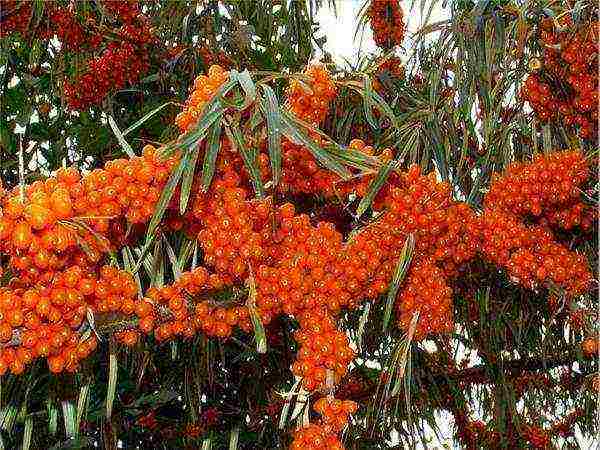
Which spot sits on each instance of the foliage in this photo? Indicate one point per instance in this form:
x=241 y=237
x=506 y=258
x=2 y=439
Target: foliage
x=509 y=374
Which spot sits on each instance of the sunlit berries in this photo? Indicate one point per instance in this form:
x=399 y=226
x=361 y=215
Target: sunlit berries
x=205 y=87
x=565 y=88
x=312 y=106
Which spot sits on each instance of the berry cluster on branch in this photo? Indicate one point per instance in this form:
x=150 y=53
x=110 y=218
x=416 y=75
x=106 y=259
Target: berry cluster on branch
x=57 y=234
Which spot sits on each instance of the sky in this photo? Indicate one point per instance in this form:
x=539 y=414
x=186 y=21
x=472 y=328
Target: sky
x=340 y=30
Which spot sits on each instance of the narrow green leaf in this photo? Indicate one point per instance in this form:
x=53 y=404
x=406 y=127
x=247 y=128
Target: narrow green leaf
x=236 y=139
x=113 y=368
x=361 y=325
x=299 y=137
x=234 y=437
x=69 y=417
x=122 y=142
x=8 y=415
x=248 y=86
x=375 y=187
x=210 y=155
x=259 y=330
x=27 y=432
x=82 y=402
x=188 y=178
x=207 y=444
x=165 y=197
x=172 y=259
x=146 y=117
x=270 y=107
x=398 y=277
x=195 y=136
x=288 y=402
x=142 y=253
x=52 y=411
x=368 y=102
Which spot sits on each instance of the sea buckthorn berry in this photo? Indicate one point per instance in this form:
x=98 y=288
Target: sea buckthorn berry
x=387 y=22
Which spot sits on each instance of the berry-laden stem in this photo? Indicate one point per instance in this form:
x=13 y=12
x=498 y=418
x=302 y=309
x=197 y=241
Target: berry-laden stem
x=302 y=269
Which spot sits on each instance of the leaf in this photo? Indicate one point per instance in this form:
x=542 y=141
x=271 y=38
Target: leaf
x=247 y=85
x=165 y=197
x=188 y=178
x=210 y=155
x=375 y=187
x=52 y=411
x=82 y=404
x=234 y=437
x=300 y=138
x=288 y=402
x=193 y=138
x=368 y=101
x=112 y=381
x=69 y=418
x=270 y=107
x=27 y=432
x=8 y=416
x=142 y=254
x=146 y=117
x=364 y=317
x=398 y=277
x=122 y=142
x=236 y=138
x=259 y=330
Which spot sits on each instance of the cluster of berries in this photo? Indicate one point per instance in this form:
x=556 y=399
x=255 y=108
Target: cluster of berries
x=311 y=107
x=324 y=435
x=387 y=71
x=591 y=346
x=536 y=437
x=48 y=321
x=203 y=90
x=212 y=58
x=46 y=230
x=566 y=87
x=323 y=349
x=123 y=61
x=548 y=184
x=530 y=253
x=16 y=17
x=475 y=434
x=387 y=22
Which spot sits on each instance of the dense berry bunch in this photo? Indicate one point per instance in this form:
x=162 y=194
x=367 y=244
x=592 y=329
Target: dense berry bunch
x=16 y=16
x=67 y=28
x=301 y=173
x=46 y=230
x=324 y=434
x=312 y=106
x=323 y=348
x=122 y=61
x=119 y=64
x=546 y=184
x=315 y=437
x=543 y=189
x=531 y=255
x=591 y=346
x=387 y=22
x=536 y=436
x=388 y=71
x=48 y=321
x=335 y=413
x=204 y=89
x=566 y=88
